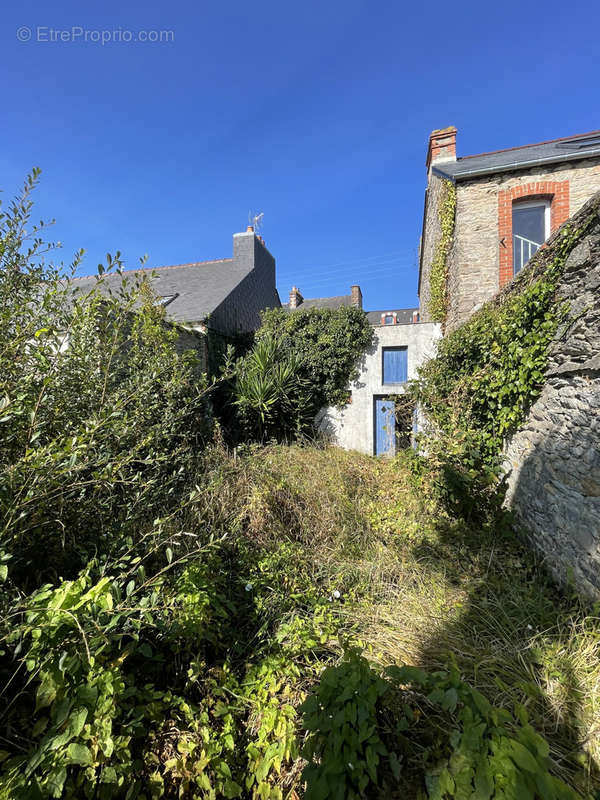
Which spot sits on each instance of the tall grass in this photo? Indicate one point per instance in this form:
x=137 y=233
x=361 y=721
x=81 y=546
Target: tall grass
x=422 y=587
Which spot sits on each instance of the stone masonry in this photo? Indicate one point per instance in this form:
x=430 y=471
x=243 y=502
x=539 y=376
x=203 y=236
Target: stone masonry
x=553 y=461
x=474 y=260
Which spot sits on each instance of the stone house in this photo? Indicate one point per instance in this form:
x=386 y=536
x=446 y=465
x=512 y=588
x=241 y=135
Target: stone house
x=508 y=202
x=401 y=343
x=223 y=297
x=297 y=301
x=370 y=422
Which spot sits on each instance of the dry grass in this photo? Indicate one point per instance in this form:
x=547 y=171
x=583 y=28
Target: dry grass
x=421 y=585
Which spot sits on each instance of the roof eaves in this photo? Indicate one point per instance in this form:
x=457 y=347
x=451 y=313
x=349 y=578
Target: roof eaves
x=492 y=170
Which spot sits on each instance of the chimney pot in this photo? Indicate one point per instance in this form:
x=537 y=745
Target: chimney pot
x=250 y=229
x=356 y=293
x=442 y=146
x=415 y=316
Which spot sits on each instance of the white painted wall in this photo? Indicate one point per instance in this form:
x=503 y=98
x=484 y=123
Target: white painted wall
x=352 y=427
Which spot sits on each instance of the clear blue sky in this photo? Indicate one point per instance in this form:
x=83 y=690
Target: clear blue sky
x=315 y=113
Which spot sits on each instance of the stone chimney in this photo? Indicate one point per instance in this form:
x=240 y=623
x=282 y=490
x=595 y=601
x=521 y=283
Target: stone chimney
x=295 y=297
x=442 y=146
x=356 y=296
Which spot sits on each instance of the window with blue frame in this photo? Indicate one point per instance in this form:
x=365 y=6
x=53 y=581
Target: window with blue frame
x=395 y=365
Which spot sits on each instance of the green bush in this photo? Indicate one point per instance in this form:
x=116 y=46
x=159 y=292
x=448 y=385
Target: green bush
x=328 y=345
x=371 y=731
x=100 y=417
x=272 y=398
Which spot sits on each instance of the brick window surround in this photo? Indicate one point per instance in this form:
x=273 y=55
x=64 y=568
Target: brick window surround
x=555 y=191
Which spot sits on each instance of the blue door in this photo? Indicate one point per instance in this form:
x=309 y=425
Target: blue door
x=385 y=427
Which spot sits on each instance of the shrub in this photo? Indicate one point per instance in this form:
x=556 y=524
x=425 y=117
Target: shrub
x=272 y=398
x=101 y=418
x=327 y=344
x=370 y=731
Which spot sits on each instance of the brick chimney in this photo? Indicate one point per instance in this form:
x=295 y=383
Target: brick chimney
x=442 y=146
x=295 y=297
x=415 y=316
x=356 y=296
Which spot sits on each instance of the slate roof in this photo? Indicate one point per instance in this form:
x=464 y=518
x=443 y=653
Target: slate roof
x=322 y=302
x=191 y=291
x=403 y=315
x=571 y=148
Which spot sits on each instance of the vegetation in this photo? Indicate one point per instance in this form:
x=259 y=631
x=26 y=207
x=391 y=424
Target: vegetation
x=180 y=621
x=272 y=398
x=300 y=362
x=438 y=275
x=328 y=345
x=487 y=374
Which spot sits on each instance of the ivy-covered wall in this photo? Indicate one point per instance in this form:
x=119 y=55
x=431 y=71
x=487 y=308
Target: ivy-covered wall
x=521 y=377
x=553 y=461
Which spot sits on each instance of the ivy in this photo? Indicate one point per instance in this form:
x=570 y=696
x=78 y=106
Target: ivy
x=438 y=276
x=490 y=370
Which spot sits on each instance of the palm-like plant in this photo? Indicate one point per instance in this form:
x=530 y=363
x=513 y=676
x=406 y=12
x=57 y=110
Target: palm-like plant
x=272 y=399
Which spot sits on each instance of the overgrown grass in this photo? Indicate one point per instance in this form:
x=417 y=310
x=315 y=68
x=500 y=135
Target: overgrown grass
x=420 y=586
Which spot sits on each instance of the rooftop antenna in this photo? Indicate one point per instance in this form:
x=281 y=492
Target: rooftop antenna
x=256 y=220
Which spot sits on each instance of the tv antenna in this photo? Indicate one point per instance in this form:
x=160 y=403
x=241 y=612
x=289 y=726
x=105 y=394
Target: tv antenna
x=256 y=220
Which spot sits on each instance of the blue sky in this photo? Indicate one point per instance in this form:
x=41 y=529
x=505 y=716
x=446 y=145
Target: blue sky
x=316 y=114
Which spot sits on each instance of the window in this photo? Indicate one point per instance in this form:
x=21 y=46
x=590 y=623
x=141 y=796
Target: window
x=395 y=364
x=530 y=227
x=388 y=319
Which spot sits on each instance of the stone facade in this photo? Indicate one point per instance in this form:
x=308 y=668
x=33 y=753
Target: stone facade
x=553 y=461
x=352 y=427
x=474 y=260
x=480 y=260
x=432 y=232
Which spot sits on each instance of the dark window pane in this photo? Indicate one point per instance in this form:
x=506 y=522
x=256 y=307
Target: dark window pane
x=529 y=231
x=529 y=223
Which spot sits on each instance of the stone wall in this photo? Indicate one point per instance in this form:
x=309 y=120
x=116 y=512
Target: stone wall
x=431 y=234
x=474 y=260
x=352 y=427
x=553 y=462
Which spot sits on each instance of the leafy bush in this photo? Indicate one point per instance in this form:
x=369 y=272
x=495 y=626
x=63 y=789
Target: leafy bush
x=327 y=344
x=101 y=418
x=271 y=396
x=369 y=732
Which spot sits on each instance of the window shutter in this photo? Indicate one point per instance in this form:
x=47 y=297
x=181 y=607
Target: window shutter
x=395 y=364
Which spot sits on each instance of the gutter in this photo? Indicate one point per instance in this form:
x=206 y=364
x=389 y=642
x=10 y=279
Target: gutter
x=473 y=173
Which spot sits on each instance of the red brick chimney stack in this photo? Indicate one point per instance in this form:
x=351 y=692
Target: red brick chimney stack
x=356 y=296
x=442 y=146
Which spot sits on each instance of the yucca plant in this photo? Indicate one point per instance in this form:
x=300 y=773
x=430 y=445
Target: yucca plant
x=272 y=398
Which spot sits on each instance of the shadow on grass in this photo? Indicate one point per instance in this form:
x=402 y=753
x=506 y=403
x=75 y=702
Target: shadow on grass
x=513 y=638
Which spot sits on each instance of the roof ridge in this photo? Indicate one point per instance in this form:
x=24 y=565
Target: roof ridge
x=533 y=144
x=151 y=269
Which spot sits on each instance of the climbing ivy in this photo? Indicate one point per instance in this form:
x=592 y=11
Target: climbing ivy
x=438 y=276
x=489 y=371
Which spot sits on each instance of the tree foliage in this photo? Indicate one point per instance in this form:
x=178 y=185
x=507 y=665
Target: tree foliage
x=328 y=345
x=100 y=417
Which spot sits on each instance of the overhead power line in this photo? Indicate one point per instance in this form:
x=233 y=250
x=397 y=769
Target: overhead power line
x=366 y=275
x=357 y=270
